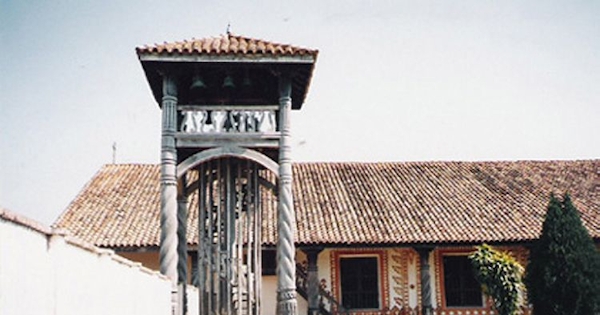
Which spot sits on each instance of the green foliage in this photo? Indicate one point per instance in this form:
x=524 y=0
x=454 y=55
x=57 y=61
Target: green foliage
x=501 y=278
x=563 y=274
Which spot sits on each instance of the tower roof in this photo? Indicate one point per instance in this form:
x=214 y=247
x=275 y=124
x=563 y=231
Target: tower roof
x=227 y=45
x=228 y=52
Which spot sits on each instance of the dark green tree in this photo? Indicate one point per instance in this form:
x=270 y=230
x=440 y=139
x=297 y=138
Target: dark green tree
x=563 y=274
x=501 y=278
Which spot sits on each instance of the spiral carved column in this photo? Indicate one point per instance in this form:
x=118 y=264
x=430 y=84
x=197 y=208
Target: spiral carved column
x=168 y=182
x=182 y=267
x=286 y=222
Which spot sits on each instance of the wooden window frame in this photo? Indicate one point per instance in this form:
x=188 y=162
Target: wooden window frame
x=442 y=286
x=382 y=274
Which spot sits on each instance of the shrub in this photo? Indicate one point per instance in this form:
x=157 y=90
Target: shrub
x=501 y=278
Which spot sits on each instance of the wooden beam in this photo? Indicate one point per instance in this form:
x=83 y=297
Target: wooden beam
x=247 y=139
x=227 y=151
x=227 y=107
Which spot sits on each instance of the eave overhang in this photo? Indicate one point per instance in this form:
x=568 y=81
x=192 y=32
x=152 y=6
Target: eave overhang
x=228 y=51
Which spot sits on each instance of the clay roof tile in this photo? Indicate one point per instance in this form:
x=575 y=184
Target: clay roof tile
x=224 y=45
x=360 y=203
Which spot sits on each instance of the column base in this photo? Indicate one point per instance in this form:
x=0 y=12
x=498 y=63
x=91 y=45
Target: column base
x=286 y=302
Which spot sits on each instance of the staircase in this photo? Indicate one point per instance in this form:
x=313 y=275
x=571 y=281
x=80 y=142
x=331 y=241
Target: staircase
x=328 y=305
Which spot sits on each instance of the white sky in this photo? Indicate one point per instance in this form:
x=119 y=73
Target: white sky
x=394 y=81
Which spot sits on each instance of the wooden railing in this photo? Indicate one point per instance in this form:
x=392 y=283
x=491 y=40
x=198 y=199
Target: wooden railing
x=328 y=305
x=217 y=119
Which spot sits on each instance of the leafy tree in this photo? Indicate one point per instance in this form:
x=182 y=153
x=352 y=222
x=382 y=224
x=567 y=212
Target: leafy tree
x=501 y=278
x=563 y=274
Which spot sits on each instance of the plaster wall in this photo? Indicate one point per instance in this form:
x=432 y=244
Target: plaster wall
x=414 y=277
x=324 y=264
x=269 y=297
x=47 y=273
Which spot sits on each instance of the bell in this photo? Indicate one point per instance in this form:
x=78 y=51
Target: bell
x=228 y=82
x=197 y=83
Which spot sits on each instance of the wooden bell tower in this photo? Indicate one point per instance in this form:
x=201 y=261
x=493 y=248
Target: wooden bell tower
x=226 y=104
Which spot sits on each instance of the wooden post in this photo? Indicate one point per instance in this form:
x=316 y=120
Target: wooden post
x=168 y=187
x=312 y=288
x=204 y=248
x=168 y=171
x=286 y=264
x=182 y=267
x=195 y=272
x=424 y=253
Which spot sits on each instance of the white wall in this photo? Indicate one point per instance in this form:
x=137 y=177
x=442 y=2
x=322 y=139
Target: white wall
x=269 y=297
x=45 y=273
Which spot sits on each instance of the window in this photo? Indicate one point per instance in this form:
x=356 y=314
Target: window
x=460 y=287
x=359 y=282
x=269 y=262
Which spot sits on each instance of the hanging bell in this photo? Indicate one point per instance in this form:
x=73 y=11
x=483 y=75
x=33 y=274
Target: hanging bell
x=197 y=83
x=228 y=82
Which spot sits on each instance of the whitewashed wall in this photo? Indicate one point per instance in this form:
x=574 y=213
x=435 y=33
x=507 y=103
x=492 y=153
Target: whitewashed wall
x=269 y=297
x=42 y=272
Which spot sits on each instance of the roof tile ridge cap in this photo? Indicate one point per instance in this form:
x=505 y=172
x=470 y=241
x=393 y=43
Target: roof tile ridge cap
x=129 y=164
x=261 y=46
x=205 y=44
x=224 y=44
x=283 y=47
x=194 y=43
x=243 y=44
x=233 y=44
x=177 y=46
x=187 y=46
x=167 y=47
x=56 y=223
x=24 y=221
x=142 y=49
x=215 y=44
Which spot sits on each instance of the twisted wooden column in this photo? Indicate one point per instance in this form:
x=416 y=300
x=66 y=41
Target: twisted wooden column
x=168 y=182
x=286 y=264
x=425 y=280
x=182 y=214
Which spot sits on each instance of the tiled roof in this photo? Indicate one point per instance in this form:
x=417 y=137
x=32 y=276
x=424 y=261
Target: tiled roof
x=362 y=203
x=226 y=45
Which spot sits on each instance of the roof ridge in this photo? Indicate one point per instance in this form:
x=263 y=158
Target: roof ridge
x=24 y=221
x=429 y=162
x=226 y=44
